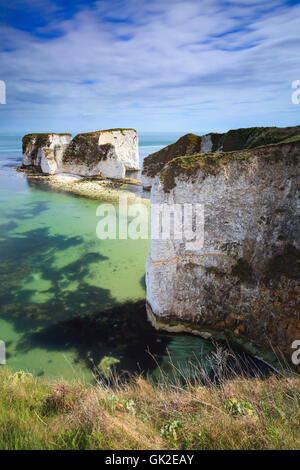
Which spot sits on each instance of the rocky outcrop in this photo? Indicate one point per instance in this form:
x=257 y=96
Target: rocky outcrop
x=244 y=280
x=109 y=153
x=45 y=151
x=86 y=157
x=125 y=143
x=191 y=144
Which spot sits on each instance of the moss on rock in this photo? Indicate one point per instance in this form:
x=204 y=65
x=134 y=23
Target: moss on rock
x=85 y=149
x=233 y=140
x=186 y=145
x=37 y=141
x=211 y=163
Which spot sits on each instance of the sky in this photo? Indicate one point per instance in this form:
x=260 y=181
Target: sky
x=154 y=65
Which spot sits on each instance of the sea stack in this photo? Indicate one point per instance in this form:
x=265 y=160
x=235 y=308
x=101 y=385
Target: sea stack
x=45 y=151
x=108 y=153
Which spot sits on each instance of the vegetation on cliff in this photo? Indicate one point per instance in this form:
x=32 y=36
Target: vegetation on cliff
x=186 y=145
x=252 y=137
x=84 y=149
x=211 y=163
x=233 y=140
x=40 y=140
x=237 y=414
x=98 y=133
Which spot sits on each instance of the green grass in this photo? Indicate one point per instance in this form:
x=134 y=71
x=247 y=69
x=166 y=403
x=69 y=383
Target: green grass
x=238 y=414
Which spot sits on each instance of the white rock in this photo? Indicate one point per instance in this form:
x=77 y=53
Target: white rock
x=118 y=151
x=125 y=142
x=252 y=211
x=206 y=143
x=46 y=156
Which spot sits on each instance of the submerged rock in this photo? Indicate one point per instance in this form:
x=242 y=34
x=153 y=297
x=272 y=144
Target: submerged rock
x=190 y=144
x=244 y=280
x=109 y=153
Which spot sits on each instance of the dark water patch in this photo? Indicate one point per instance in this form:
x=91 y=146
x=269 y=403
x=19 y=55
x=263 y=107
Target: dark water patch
x=33 y=253
x=121 y=332
x=143 y=282
x=28 y=211
x=37 y=245
x=5 y=228
x=79 y=268
x=227 y=363
x=123 y=336
x=12 y=164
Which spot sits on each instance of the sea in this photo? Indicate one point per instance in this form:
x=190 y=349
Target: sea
x=72 y=305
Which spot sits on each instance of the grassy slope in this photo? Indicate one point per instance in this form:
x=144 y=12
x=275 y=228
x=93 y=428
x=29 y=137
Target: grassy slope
x=36 y=414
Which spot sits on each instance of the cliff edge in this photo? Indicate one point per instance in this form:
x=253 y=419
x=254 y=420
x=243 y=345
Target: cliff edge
x=190 y=144
x=244 y=280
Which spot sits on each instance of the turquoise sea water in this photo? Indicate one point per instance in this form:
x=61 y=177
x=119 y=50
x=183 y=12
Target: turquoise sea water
x=68 y=299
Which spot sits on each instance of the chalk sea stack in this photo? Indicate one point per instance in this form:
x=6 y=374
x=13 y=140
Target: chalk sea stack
x=107 y=152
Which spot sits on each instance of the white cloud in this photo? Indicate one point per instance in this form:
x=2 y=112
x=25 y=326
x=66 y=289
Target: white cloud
x=167 y=64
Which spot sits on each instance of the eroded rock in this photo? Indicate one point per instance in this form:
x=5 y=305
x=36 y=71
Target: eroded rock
x=45 y=151
x=245 y=278
x=109 y=153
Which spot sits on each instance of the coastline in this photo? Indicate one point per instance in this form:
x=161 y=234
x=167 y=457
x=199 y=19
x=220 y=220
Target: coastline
x=90 y=187
x=246 y=345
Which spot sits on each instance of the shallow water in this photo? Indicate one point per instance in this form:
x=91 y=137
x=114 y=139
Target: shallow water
x=68 y=299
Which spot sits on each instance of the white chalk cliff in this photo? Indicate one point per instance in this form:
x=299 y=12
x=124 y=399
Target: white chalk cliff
x=45 y=151
x=109 y=153
x=125 y=143
x=244 y=280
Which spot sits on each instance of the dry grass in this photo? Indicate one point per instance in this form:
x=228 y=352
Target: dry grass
x=36 y=414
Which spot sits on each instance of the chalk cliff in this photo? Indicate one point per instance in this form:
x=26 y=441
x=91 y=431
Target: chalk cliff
x=125 y=143
x=45 y=151
x=109 y=153
x=244 y=280
x=191 y=144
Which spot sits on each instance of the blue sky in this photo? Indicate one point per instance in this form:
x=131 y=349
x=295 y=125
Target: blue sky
x=156 y=65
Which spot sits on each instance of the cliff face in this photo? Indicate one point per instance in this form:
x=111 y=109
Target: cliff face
x=109 y=153
x=45 y=151
x=85 y=156
x=125 y=143
x=191 y=144
x=245 y=278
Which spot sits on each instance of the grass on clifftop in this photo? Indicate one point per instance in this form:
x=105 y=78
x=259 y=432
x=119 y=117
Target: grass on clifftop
x=238 y=414
x=210 y=163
